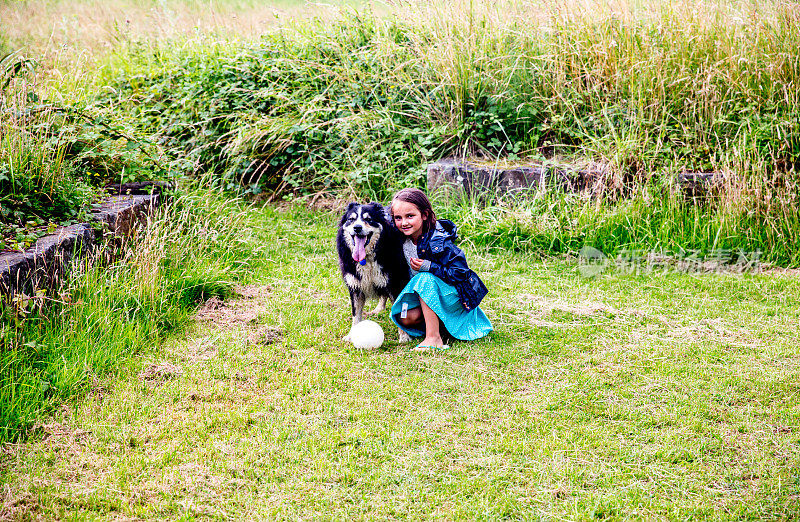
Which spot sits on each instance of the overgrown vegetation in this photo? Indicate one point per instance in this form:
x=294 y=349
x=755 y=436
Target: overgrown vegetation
x=359 y=105
x=670 y=396
x=652 y=223
x=364 y=101
x=55 y=158
x=363 y=104
x=664 y=395
x=58 y=347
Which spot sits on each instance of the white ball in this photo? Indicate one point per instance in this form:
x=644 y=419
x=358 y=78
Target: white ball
x=366 y=335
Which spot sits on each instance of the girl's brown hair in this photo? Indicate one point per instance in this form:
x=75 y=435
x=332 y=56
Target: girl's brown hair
x=417 y=198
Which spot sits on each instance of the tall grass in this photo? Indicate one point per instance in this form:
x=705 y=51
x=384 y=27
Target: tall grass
x=61 y=346
x=678 y=90
x=90 y=29
x=359 y=104
x=37 y=179
x=651 y=221
x=55 y=155
x=643 y=93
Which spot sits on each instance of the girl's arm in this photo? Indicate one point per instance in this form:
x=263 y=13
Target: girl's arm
x=451 y=266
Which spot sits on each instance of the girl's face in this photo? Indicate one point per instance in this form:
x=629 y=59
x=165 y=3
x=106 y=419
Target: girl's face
x=407 y=218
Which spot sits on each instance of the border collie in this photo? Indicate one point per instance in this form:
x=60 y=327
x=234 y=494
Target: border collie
x=371 y=258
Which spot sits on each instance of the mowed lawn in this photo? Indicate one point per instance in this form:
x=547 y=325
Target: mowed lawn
x=653 y=396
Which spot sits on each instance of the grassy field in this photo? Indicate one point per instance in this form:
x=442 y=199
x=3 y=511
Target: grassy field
x=356 y=99
x=654 y=395
x=664 y=396
x=92 y=27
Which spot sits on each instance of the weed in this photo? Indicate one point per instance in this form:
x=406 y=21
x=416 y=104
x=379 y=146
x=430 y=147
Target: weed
x=373 y=98
x=658 y=396
x=57 y=350
x=55 y=159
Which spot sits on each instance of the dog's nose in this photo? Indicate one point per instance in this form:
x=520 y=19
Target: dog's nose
x=358 y=229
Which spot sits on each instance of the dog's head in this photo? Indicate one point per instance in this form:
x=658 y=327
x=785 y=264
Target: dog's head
x=362 y=226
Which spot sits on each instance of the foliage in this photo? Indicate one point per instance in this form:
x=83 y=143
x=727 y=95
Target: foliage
x=54 y=159
x=656 y=221
x=54 y=347
x=660 y=396
x=364 y=102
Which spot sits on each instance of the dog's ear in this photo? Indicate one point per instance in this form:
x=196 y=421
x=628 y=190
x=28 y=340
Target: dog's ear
x=375 y=206
x=352 y=206
x=378 y=210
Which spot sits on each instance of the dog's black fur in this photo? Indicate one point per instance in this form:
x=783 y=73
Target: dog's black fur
x=385 y=271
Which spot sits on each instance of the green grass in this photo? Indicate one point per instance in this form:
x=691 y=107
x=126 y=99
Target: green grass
x=55 y=158
x=57 y=344
x=656 y=221
x=359 y=102
x=360 y=106
x=649 y=396
x=668 y=396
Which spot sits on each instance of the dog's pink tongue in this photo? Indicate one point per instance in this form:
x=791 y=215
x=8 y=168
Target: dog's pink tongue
x=359 y=254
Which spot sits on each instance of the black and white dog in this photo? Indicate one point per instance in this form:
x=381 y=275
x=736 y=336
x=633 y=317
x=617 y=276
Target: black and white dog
x=371 y=258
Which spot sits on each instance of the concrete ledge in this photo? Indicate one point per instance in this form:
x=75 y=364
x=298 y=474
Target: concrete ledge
x=699 y=184
x=464 y=177
x=44 y=264
x=139 y=187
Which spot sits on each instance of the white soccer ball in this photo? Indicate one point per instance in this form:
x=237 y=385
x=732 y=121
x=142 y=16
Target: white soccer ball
x=366 y=335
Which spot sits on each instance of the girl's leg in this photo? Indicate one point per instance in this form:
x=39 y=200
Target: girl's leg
x=433 y=337
x=412 y=318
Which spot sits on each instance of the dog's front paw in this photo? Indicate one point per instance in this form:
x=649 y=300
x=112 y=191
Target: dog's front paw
x=402 y=336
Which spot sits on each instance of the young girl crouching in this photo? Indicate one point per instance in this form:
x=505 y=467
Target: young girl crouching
x=443 y=290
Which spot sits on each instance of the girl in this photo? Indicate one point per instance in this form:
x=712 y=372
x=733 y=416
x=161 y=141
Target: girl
x=443 y=290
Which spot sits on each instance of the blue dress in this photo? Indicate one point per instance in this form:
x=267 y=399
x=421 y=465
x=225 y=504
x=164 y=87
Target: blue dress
x=442 y=299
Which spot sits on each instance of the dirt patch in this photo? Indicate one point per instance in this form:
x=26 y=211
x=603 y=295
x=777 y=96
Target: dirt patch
x=540 y=310
x=546 y=306
x=19 y=506
x=252 y=291
x=157 y=374
x=241 y=312
x=215 y=303
x=771 y=270
x=264 y=334
x=69 y=441
x=244 y=310
x=58 y=431
x=321 y=201
x=715 y=329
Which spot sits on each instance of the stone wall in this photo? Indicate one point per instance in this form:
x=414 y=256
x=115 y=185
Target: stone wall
x=453 y=177
x=44 y=265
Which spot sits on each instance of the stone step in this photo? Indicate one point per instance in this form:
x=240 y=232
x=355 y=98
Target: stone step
x=44 y=265
x=472 y=179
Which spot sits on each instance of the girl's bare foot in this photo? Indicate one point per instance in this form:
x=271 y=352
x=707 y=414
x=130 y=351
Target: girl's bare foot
x=430 y=343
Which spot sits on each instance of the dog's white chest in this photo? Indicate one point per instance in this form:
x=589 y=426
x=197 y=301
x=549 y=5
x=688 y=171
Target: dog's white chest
x=372 y=278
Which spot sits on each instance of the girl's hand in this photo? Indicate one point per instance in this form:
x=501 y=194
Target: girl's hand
x=415 y=262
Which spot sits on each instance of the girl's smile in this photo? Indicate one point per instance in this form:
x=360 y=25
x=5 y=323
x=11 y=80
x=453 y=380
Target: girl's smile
x=408 y=219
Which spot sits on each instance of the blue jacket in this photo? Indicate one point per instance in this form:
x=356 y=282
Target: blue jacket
x=449 y=264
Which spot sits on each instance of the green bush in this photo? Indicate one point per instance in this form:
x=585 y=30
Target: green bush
x=55 y=159
x=56 y=347
x=363 y=103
